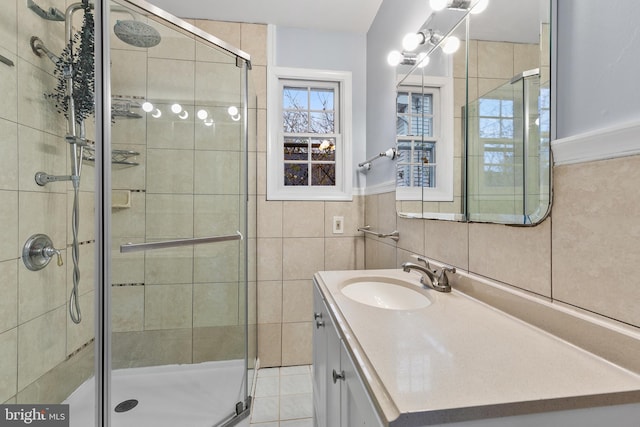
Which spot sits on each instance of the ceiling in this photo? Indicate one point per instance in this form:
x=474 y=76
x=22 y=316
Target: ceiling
x=325 y=15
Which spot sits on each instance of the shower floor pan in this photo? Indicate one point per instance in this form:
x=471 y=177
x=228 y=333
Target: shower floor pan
x=197 y=395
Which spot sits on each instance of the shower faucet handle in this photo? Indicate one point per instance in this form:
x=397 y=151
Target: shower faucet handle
x=50 y=251
x=38 y=251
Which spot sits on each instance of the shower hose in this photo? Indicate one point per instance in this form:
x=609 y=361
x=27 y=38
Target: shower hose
x=74 y=301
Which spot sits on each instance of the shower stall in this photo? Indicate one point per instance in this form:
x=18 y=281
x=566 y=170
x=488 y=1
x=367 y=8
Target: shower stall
x=127 y=166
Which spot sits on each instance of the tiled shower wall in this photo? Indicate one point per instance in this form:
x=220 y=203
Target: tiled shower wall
x=37 y=337
x=584 y=255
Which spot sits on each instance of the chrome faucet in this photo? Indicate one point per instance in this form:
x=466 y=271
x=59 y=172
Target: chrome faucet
x=439 y=282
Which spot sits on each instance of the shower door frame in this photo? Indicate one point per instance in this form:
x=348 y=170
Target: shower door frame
x=103 y=329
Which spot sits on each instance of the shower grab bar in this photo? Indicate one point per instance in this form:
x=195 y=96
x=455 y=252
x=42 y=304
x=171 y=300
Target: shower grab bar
x=137 y=247
x=394 y=235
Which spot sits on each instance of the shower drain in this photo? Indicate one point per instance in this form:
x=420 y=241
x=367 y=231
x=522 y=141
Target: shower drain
x=126 y=405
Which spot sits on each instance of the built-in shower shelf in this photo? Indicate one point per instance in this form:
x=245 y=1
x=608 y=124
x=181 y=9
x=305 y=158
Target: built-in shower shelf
x=120 y=199
x=118 y=157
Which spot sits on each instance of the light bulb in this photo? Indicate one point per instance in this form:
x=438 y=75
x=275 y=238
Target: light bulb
x=437 y=5
x=422 y=60
x=411 y=41
x=479 y=7
x=147 y=106
x=202 y=114
x=395 y=58
x=176 y=108
x=184 y=115
x=451 y=44
x=157 y=113
x=233 y=110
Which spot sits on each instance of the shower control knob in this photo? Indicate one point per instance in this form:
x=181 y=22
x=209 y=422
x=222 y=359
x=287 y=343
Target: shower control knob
x=38 y=251
x=51 y=251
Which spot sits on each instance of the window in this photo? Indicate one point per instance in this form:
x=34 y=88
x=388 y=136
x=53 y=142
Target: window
x=309 y=148
x=496 y=131
x=424 y=139
x=415 y=140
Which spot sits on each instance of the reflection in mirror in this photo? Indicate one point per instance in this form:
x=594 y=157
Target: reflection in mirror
x=508 y=162
x=428 y=121
x=502 y=157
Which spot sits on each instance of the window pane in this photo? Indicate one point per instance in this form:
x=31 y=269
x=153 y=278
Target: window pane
x=427 y=103
x=323 y=149
x=321 y=99
x=422 y=126
x=425 y=152
x=427 y=176
x=403 y=176
x=489 y=128
x=402 y=102
x=322 y=122
x=507 y=128
x=489 y=107
x=507 y=108
x=323 y=174
x=296 y=174
x=295 y=122
x=404 y=151
x=402 y=125
x=296 y=149
x=416 y=104
x=295 y=98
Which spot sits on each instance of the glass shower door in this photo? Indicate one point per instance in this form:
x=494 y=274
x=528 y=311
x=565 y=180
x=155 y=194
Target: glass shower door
x=178 y=223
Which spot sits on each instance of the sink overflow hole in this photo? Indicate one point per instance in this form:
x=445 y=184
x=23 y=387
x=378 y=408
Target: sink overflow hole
x=127 y=405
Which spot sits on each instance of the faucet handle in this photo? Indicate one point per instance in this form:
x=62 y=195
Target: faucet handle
x=443 y=279
x=448 y=269
x=423 y=260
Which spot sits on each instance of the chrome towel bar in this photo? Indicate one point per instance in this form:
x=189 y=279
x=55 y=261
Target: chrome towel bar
x=137 y=247
x=394 y=235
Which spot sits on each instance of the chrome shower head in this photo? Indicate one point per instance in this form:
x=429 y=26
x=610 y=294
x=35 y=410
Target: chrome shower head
x=137 y=33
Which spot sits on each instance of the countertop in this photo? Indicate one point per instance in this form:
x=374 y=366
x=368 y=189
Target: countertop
x=460 y=359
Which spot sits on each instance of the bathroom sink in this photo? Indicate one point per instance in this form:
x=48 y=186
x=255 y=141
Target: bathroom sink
x=386 y=293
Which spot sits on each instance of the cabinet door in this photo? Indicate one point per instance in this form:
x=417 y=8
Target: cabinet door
x=334 y=363
x=319 y=360
x=356 y=408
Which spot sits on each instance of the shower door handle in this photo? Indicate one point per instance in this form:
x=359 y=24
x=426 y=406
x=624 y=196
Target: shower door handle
x=137 y=247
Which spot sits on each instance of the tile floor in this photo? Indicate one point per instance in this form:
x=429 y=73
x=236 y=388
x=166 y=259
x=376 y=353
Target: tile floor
x=283 y=398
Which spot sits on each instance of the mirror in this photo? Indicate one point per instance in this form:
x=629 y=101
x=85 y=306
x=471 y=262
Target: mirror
x=429 y=139
x=501 y=161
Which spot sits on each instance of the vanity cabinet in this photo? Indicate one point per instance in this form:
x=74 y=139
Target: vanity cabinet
x=339 y=396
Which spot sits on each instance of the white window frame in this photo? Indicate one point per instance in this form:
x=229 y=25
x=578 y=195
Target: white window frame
x=276 y=190
x=443 y=134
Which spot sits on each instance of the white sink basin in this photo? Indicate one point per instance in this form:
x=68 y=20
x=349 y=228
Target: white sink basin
x=386 y=293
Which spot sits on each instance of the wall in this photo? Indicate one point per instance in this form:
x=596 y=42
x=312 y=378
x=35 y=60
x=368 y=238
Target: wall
x=607 y=62
x=42 y=352
x=341 y=52
x=295 y=239
x=567 y=257
x=394 y=19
